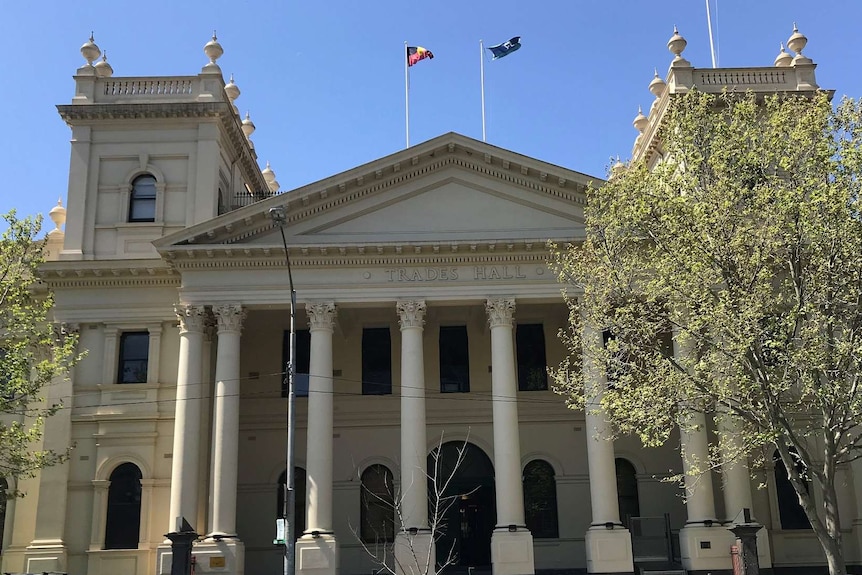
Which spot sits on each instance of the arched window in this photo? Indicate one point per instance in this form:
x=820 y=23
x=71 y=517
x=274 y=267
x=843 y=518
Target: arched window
x=789 y=510
x=299 y=498
x=142 y=203
x=4 y=497
x=123 y=523
x=377 y=505
x=540 y=500
x=627 y=490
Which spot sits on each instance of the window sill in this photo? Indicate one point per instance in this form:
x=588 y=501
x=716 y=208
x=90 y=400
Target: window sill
x=127 y=386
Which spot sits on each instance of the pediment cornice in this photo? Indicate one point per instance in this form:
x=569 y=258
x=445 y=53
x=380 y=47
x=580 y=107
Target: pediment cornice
x=358 y=255
x=534 y=176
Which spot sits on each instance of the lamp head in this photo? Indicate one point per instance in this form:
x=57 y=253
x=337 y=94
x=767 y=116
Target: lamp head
x=277 y=215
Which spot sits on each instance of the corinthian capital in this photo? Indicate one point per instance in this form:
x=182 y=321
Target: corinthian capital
x=321 y=315
x=501 y=311
x=192 y=317
x=229 y=317
x=65 y=330
x=411 y=313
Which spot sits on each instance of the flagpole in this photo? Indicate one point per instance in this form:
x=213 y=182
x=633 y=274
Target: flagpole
x=709 y=25
x=406 y=95
x=482 y=76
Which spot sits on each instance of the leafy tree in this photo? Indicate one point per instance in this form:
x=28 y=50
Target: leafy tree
x=33 y=351
x=743 y=244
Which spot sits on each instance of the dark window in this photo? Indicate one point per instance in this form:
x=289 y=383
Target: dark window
x=134 y=352
x=532 y=364
x=627 y=490
x=790 y=511
x=299 y=498
x=377 y=509
x=376 y=361
x=123 y=523
x=540 y=500
x=142 y=204
x=454 y=359
x=303 y=362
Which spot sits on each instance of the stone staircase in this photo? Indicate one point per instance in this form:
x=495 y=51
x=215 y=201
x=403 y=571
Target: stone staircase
x=659 y=568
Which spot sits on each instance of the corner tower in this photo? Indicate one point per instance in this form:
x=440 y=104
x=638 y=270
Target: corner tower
x=152 y=155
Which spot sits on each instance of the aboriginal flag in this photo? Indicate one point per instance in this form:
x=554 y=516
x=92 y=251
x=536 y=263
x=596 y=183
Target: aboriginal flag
x=416 y=53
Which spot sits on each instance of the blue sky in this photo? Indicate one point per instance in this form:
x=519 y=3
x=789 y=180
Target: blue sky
x=324 y=81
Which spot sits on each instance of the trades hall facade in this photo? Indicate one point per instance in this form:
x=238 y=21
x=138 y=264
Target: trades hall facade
x=426 y=319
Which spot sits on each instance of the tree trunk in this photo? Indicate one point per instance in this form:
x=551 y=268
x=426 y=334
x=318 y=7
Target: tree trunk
x=832 y=542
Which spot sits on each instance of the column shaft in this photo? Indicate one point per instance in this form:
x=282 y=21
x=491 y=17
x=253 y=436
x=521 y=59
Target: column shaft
x=699 y=494
x=318 y=458
x=604 y=499
x=226 y=419
x=734 y=471
x=184 y=465
x=414 y=488
x=507 y=446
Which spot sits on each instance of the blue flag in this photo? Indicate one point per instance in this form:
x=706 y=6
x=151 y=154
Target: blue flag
x=505 y=48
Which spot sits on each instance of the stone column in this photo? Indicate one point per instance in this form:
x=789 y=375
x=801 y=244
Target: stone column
x=511 y=542
x=704 y=543
x=226 y=421
x=608 y=542
x=184 y=465
x=414 y=543
x=317 y=550
x=736 y=487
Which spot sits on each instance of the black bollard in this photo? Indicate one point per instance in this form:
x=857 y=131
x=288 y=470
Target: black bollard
x=181 y=547
x=746 y=541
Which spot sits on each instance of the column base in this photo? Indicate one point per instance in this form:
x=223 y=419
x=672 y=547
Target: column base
x=609 y=550
x=45 y=555
x=415 y=554
x=225 y=557
x=706 y=548
x=512 y=552
x=317 y=555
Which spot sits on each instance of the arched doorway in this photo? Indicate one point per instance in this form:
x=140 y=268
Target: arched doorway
x=627 y=491
x=468 y=508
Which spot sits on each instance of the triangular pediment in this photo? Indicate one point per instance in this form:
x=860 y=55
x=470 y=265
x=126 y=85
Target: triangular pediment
x=451 y=189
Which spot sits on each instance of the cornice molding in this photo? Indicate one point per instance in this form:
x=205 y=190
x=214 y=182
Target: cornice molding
x=223 y=111
x=118 y=273
x=466 y=253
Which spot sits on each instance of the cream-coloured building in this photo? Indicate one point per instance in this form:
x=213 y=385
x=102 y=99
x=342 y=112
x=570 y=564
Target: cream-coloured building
x=426 y=317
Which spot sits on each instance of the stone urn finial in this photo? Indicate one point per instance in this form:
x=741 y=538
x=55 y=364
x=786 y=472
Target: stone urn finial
x=90 y=51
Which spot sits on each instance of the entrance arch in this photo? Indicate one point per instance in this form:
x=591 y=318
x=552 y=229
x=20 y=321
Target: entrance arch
x=468 y=507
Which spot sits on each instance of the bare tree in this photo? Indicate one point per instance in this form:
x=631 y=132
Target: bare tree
x=410 y=554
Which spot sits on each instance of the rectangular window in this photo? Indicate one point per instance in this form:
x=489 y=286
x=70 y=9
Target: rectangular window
x=454 y=359
x=303 y=362
x=134 y=354
x=532 y=363
x=376 y=361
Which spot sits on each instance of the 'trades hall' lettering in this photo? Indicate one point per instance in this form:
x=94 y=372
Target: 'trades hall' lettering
x=481 y=273
x=421 y=274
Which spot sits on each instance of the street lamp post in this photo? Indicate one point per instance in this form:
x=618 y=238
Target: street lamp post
x=279 y=218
